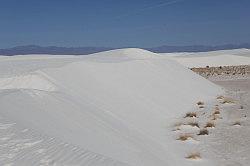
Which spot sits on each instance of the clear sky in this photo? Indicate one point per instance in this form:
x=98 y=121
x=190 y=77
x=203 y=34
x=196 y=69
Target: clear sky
x=123 y=23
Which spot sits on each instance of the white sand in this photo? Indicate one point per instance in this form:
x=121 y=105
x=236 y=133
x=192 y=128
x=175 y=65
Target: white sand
x=121 y=107
x=213 y=58
x=231 y=143
x=111 y=108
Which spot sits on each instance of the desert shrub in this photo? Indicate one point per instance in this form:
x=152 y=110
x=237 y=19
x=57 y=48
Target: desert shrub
x=215 y=117
x=209 y=125
x=185 y=137
x=220 y=97
x=237 y=123
x=203 y=132
x=193 y=124
x=191 y=115
x=216 y=112
x=200 y=103
x=227 y=101
x=194 y=156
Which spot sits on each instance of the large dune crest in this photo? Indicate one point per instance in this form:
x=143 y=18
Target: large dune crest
x=117 y=104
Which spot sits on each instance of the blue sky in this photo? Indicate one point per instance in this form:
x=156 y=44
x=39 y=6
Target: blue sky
x=123 y=23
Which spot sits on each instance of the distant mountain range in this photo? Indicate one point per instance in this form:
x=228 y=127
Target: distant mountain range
x=197 y=48
x=34 y=49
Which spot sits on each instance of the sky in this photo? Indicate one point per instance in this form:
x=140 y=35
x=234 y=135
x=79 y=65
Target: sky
x=123 y=23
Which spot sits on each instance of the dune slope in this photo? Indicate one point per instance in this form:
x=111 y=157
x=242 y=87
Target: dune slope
x=116 y=106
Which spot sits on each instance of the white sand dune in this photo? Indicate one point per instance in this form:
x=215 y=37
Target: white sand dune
x=213 y=58
x=115 y=108
x=215 y=61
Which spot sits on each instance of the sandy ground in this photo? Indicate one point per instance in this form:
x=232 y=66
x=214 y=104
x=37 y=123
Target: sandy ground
x=230 y=142
x=227 y=141
x=226 y=144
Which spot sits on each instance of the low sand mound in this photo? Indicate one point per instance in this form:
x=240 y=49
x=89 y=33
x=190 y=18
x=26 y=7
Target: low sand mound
x=117 y=104
x=128 y=53
x=213 y=59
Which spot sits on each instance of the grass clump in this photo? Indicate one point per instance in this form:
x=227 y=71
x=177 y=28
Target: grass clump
x=203 y=132
x=200 y=103
x=227 y=101
x=210 y=125
x=215 y=117
x=185 y=137
x=216 y=112
x=220 y=97
x=191 y=115
x=194 y=156
x=193 y=124
x=237 y=123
